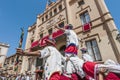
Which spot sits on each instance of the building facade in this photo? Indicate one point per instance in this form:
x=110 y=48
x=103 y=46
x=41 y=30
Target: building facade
x=92 y=22
x=10 y=67
x=3 y=53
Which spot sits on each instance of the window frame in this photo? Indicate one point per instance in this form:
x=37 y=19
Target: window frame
x=81 y=2
x=50 y=14
x=92 y=48
x=42 y=19
x=41 y=35
x=85 y=17
x=50 y=31
x=61 y=24
x=55 y=11
x=46 y=17
x=60 y=7
x=12 y=61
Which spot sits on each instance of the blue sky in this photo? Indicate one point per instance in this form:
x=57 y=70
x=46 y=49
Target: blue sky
x=15 y=14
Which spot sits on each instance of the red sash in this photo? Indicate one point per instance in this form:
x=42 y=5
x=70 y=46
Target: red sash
x=55 y=76
x=88 y=68
x=112 y=76
x=71 y=49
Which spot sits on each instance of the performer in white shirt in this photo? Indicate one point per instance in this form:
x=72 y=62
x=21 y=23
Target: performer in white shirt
x=85 y=55
x=52 y=58
x=74 y=63
x=93 y=69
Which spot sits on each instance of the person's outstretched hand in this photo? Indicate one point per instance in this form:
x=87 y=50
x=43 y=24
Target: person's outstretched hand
x=19 y=51
x=68 y=58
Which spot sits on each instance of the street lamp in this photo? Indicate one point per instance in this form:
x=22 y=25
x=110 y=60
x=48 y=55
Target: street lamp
x=118 y=36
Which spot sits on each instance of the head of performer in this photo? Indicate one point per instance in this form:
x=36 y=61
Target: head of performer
x=50 y=42
x=84 y=50
x=86 y=56
x=69 y=27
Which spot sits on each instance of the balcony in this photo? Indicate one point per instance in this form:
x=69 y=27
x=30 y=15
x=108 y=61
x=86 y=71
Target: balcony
x=86 y=27
x=40 y=43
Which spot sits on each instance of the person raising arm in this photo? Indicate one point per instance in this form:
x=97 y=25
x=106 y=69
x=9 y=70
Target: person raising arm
x=19 y=51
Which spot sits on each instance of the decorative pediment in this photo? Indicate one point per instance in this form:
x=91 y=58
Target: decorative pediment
x=60 y=17
x=50 y=23
x=41 y=29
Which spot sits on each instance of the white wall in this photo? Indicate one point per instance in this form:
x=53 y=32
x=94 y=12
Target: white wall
x=4 y=49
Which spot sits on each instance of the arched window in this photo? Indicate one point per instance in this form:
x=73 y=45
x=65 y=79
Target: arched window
x=61 y=25
x=12 y=60
x=50 y=31
x=43 y=19
x=55 y=11
x=50 y=14
x=46 y=17
x=41 y=35
x=60 y=7
x=93 y=49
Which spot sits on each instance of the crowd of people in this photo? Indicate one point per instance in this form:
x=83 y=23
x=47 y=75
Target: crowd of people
x=26 y=76
x=70 y=66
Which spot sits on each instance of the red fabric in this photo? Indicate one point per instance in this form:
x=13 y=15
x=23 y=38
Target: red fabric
x=71 y=49
x=35 y=44
x=74 y=77
x=55 y=76
x=112 y=76
x=57 y=33
x=43 y=42
x=64 y=78
x=51 y=42
x=87 y=77
x=86 y=27
x=88 y=67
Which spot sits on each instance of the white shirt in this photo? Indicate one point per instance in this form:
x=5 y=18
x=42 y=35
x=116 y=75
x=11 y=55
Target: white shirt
x=23 y=78
x=87 y=57
x=3 y=78
x=75 y=65
x=71 y=37
x=27 y=78
x=52 y=59
x=17 y=78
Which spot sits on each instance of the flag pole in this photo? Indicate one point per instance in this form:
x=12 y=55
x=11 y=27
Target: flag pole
x=21 y=38
x=19 y=46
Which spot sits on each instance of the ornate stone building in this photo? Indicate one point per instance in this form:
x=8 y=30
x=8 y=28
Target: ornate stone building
x=3 y=53
x=92 y=22
x=10 y=67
